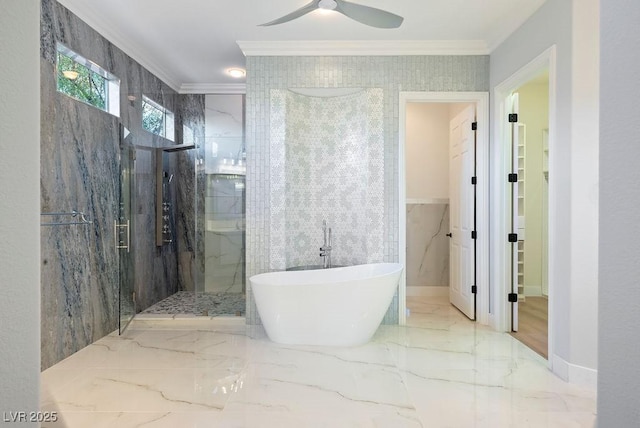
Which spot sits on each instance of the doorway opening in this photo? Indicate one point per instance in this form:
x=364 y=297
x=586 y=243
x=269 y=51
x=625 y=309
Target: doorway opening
x=443 y=214
x=523 y=177
x=530 y=323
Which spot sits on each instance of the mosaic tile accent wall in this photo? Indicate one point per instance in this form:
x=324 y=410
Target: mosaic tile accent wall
x=391 y=74
x=331 y=150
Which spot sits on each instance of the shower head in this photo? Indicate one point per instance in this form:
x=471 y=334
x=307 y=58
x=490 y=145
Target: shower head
x=178 y=148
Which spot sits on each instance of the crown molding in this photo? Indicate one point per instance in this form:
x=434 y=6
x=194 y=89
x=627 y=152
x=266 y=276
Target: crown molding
x=363 y=47
x=213 y=88
x=120 y=41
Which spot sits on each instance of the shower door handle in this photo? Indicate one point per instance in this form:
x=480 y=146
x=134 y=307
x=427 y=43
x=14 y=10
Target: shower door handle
x=117 y=230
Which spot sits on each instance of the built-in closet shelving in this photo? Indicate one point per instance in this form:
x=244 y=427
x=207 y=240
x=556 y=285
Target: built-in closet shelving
x=522 y=136
x=545 y=154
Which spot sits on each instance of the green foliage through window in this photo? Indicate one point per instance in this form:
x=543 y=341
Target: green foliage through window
x=85 y=81
x=86 y=86
x=152 y=118
x=157 y=119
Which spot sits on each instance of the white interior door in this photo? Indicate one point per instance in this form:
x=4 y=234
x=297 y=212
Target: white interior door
x=461 y=212
x=512 y=108
x=545 y=213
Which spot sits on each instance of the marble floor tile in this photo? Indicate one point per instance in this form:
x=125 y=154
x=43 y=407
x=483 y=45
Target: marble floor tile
x=440 y=370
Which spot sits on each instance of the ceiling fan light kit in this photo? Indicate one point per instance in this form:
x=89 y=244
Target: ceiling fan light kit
x=364 y=14
x=327 y=4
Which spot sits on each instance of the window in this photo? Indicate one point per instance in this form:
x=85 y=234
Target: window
x=188 y=136
x=85 y=81
x=157 y=119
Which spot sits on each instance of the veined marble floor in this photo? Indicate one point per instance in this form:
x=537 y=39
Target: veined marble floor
x=439 y=371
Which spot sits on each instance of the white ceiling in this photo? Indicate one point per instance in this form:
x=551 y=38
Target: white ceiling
x=190 y=43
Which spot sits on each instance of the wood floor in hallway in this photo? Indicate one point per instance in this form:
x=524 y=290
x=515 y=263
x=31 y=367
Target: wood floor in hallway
x=533 y=316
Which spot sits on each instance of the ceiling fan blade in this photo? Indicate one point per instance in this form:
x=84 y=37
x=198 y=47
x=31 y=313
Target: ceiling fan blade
x=369 y=15
x=310 y=7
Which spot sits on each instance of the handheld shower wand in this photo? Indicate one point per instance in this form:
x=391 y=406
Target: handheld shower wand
x=325 y=250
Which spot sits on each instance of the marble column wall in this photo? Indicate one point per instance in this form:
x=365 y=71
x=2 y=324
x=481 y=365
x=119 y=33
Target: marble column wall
x=190 y=196
x=80 y=170
x=427 y=245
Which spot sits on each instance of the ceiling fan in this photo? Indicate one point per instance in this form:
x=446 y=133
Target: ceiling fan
x=364 y=14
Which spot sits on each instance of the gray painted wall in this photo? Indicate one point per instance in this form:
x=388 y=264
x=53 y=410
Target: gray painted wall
x=573 y=199
x=619 y=294
x=20 y=207
x=550 y=25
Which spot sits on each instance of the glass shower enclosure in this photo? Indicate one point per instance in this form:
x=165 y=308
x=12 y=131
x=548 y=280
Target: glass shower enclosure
x=123 y=230
x=220 y=202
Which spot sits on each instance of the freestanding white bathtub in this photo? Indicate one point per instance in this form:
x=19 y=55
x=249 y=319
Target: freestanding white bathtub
x=334 y=307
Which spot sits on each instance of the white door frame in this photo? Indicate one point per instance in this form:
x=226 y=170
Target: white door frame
x=481 y=100
x=500 y=251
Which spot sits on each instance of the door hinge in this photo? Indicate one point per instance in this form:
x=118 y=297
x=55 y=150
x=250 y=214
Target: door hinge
x=513 y=178
x=513 y=117
x=513 y=297
x=474 y=180
x=474 y=126
x=513 y=237
x=474 y=234
x=474 y=289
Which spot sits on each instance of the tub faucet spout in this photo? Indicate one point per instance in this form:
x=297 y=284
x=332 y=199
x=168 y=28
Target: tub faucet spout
x=325 y=250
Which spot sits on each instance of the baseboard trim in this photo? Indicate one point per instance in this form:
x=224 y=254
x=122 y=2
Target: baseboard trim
x=426 y=291
x=573 y=373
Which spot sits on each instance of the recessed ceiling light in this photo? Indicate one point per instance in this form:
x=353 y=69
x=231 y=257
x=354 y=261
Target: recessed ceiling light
x=236 y=72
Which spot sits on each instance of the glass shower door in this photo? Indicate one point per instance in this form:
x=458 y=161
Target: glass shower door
x=123 y=230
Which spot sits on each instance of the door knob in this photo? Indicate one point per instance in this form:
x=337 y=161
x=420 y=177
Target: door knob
x=450 y=235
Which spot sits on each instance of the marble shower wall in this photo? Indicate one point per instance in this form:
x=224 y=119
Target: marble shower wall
x=80 y=170
x=427 y=245
x=190 y=185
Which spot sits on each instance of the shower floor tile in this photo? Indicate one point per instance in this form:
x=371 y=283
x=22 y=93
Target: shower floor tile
x=206 y=304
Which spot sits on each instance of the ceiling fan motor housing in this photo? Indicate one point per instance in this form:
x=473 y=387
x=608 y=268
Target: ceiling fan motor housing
x=327 y=4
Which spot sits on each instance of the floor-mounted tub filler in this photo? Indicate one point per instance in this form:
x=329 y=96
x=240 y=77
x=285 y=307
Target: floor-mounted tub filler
x=333 y=307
